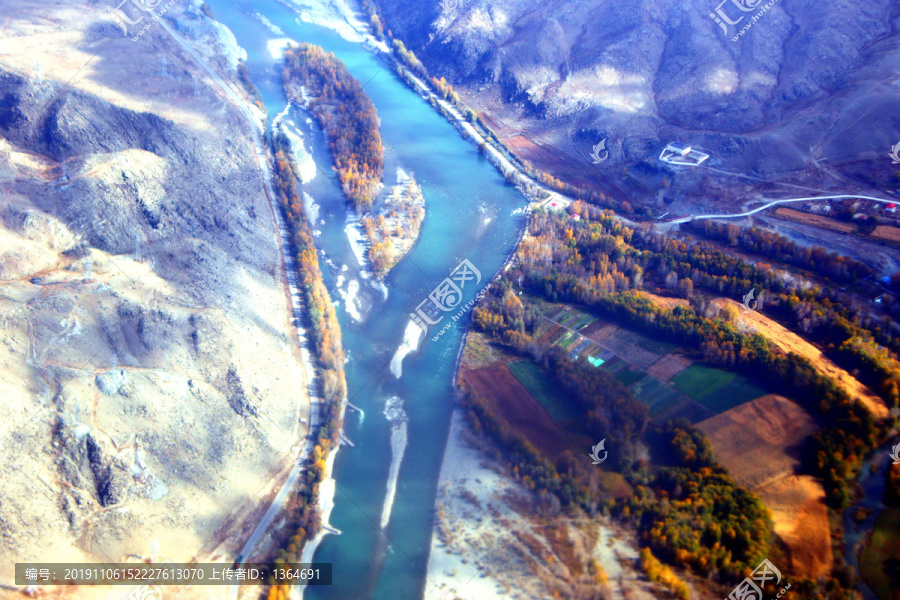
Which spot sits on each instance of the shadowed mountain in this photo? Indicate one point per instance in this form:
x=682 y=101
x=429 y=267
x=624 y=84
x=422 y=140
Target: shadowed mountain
x=805 y=94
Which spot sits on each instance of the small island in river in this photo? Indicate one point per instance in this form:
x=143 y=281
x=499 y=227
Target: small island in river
x=393 y=228
x=321 y=83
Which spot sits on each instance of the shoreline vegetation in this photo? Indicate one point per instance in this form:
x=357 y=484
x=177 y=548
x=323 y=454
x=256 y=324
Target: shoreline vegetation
x=320 y=82
x=309 y=504
x=305 y=508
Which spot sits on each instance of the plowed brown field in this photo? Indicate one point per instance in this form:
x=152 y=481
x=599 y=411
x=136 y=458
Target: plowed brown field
x=758 y=443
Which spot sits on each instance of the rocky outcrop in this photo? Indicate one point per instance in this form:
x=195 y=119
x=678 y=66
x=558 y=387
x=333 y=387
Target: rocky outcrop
x=237 y=397
x=147 y=376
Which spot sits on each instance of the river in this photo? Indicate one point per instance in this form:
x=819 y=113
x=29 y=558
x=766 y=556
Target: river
x=872 y=482
x=471 y=213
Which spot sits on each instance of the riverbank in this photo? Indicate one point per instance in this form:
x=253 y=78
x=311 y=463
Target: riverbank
x=326 y=339
x=493 y=539
x=324 y=506
x=306 y=165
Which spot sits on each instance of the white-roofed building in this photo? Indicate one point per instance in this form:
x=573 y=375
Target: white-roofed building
x=676 y=153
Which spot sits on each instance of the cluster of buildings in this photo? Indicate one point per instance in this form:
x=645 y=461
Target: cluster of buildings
x=860 y=208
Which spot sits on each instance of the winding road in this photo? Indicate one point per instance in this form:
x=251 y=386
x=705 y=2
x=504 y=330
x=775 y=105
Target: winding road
x=773 y=203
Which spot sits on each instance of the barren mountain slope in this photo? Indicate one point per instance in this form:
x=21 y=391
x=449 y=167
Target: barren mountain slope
x=150 y=386
x=808 y=94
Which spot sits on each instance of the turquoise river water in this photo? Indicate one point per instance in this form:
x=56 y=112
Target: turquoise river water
x=471 y=213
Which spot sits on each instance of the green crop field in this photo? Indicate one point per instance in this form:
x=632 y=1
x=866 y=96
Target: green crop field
x=544 y=390
x=716 y=389
x=699 y=381
x=614 y=364
x=732 y=394
x=664 y=399
x=630 y=376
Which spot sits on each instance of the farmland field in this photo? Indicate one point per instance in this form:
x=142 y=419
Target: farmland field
x=816 y=220
x=887 y=233
x=736 y=392
x=630 y=376
x=759 y=442
x=668 y=366
x=543 y=389
x=656 y=346
x=668 y=399
x=716 y=389
x=643 y=364
x=515 y=405
x=699 y=381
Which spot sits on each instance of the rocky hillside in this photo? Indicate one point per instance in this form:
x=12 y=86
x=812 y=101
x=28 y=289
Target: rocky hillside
x=151 y=390
x=807 y=94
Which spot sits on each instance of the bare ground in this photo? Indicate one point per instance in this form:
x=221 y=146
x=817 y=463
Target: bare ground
x=758 y=442
x=789 y=341
x=151 y=389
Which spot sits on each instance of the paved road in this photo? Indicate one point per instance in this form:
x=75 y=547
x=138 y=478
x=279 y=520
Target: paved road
x=773 y=203
x=505 y=165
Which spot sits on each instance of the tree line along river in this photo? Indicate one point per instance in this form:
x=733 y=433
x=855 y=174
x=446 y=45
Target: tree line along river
x=472 y=214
